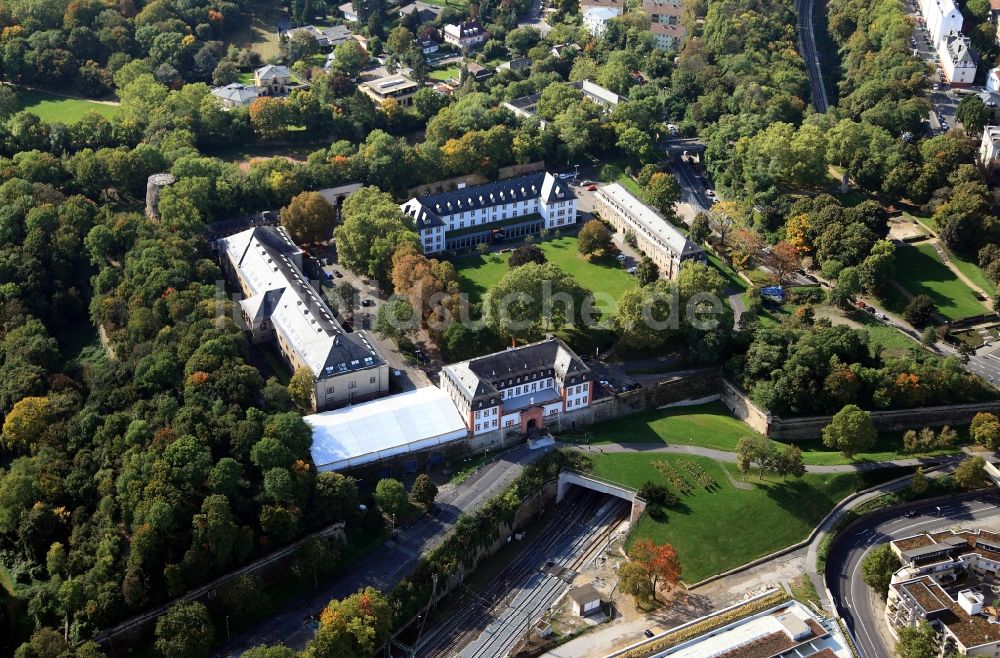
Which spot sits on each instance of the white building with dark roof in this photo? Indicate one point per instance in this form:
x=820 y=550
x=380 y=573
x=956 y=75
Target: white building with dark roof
x=465 y=35
x=989 y=148
x=428 y=13
x=958 y=61
x=347 y=11
x=494 y=211
x=656 y=237
x=594 y=18
x=520 y=386
x=235 y=95
x=281 y=307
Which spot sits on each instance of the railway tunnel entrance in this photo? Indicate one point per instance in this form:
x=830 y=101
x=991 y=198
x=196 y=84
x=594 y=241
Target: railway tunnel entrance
x=569 y=478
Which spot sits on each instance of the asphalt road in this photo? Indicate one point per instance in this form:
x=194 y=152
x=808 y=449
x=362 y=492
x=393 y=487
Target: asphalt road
x=388 y=564
x=853 y=597
x=807 y=48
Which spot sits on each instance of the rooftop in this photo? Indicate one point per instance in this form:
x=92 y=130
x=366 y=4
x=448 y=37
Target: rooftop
x=970 y=630
x=390 y=84
x=584 y=594
x=236 y=92
x=652 y=224
x=272 y=71
x=405 y=422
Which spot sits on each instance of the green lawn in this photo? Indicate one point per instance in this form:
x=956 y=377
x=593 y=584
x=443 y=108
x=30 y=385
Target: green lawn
x=50 y=108
x=714 y=531
x=893 y=341
x=920 y=271
x=444 y=75
x=614 y=172
x=974 y=273
x=600 y=275
x=711 y=426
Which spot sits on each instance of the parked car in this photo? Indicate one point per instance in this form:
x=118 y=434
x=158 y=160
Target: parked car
x=910 y=514
x=621 y=258
x=368 y=302
x=421 y=356
x=328 y=276
x=648 y=633
x=632 y=270
x=337 y=274
x=591 y=188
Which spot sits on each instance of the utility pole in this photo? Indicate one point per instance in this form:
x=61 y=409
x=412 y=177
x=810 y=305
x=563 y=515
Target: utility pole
x=427 y=609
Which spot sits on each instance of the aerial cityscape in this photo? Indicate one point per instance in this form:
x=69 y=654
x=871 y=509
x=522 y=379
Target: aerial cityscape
x=499 y=329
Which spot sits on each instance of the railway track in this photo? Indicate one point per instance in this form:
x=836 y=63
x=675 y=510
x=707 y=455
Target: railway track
x=496 y=617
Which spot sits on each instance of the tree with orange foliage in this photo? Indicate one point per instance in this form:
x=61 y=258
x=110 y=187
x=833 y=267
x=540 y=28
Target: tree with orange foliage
x=797 y=233
x=660 y=562
x=430 y=285
x=269 y=116
x=783 y=259
x=356 y=626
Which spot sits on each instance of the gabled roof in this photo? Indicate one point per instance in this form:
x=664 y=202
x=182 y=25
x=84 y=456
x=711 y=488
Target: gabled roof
x=422 y=8
x=960 y=49
x=654 y=227
x=270 y=71
x=347 y=8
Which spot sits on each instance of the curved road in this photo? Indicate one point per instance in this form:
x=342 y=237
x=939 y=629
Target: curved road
x=807 y=48
x=852 y=597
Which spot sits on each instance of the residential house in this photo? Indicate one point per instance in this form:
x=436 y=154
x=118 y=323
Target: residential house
x=989 y=149
x=396 y=87
x=327 y=37
x=942 y=18
x=273 y=80
x=235 y=95
x=362 y=41
x=478 y=72
x=565 y=49
x=525 y=106
x=519 y=387
x=958 y=61
x=516 y=64
x=509 y=208
x=280 y=307
x=941 y=582
x=993 y=80
x=428 y=13
x=465 y=35
x=347 y=11
x=656 y=237
x=595 y=18
x=427 y=45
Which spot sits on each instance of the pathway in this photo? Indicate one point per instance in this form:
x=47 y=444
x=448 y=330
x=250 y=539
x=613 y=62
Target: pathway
x=65 y=95
x=730 y=457
x=946 y=259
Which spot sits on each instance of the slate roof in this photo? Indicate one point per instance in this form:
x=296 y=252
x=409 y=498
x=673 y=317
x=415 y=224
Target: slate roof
x=237 y=93
x=273 y=71
x=428 y=210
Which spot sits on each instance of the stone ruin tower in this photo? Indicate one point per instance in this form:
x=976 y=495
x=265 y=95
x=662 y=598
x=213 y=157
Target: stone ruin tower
x=154 y=185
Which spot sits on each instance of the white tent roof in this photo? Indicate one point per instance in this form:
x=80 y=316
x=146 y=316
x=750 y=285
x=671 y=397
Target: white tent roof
x=407 y=422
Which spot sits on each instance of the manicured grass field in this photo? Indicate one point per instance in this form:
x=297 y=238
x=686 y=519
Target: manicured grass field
x=711 y=426
x=892 y=340
x=975 y=274
x=600 y=275
x=714 y=531
x=444 y=74
x=614 y=172
x=920 y=271
x=49 y=107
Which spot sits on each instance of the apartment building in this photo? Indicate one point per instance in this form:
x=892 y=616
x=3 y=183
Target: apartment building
x=942 y=18
x=521 y=386
x=665 y=22
x=958 y=61
x=946 y=579
x=279 y=306
x=989 y=148
x=508 y=208
x=396 y=87
x=596 y=13
x=655 y=236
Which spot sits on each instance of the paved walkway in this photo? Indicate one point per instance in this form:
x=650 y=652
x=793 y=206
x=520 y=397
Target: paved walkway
x=946 y=259
x=724 y=456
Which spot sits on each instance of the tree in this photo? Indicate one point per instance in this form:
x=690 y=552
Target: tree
x=633 y=579
x=302 y=388
x=395 y=319
x=356 y=626
x=789 y=462
x=184 y=631
x=851 y=431
x=724 y=217
x=700 y=230
x=920 y=641
x=929 y=336
x=424 y=491
x=349 y=58
x=309 y=217
x=526 y=253
x=26 y=422
x=783 y=259
x=662 y=192
x=245 y=597
x=970 y=474
x=270 y=651
x=919 y=484
x=373 y=229
x=660 y=562
x=531 y=299
x=646 y=271
x=973 y=113
x=920 y=311
x=756 y=451
x=391 y=496
x=594 y=238
x=985 y=430
x=878 y=567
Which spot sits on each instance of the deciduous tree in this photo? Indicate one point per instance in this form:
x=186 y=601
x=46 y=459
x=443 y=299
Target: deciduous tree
x=309 y=217
x=184 y=631
x=878 y=567
x=594 y=238
x=850 y=430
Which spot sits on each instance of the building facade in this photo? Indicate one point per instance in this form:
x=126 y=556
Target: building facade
x=521 y=386
x=280 y=307
x=396 y=87
x=942 y=17
x=665 y=22
x=273 y=80
x=494 y=211
x=989 y=148
x=465 y=35
x=942 y=581
x=655 y=236
x=595 y=18
x=957 y=59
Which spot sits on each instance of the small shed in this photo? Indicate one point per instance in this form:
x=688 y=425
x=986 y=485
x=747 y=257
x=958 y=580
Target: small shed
x=585 y=600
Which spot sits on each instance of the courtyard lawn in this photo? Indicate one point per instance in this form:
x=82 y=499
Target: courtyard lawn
x=893 y=341
x=920 y=271
x=600 y=275
x=711 y=426
x=974 y=273
x=443 y=75
x=717 y=530
x=50 y=107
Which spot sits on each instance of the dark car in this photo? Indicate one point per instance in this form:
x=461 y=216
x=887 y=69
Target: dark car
x=421 y=357
x=337 y=274
x=648 y=633
x=912 y=513
x=368 y=302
